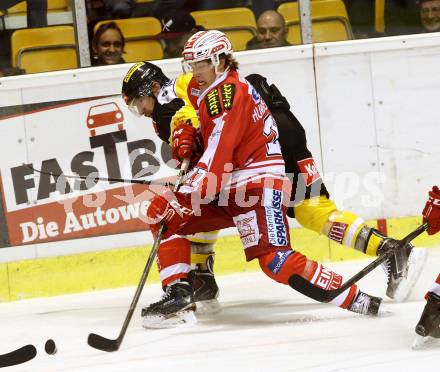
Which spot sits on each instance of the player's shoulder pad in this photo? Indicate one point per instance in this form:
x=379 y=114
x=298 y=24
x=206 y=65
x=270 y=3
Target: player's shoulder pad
x=185 y=78
x=220 y=99
x=181 y=85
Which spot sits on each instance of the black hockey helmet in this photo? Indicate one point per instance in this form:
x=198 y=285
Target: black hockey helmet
x=138 y=81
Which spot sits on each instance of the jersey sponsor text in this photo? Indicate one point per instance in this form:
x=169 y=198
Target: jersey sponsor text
x=309 y=170
x=213 y=103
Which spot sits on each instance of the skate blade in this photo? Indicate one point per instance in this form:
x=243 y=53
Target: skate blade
x=208 y=307
x=182 y=318
x=416 y=262
x=421 y=342
x=384 y=311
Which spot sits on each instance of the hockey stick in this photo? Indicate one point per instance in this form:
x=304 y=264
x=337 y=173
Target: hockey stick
x=97 y=178
x=107 y=344
x=319 y=294
x=19 y=356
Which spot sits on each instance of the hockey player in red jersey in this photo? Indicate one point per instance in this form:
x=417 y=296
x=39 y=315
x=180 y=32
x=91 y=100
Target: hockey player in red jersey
x=429 y=323
x=311 y=204
x=238 y=180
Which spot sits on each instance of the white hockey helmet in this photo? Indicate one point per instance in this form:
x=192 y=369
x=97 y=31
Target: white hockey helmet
x=206 y=45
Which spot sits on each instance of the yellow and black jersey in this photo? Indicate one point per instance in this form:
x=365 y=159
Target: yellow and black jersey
x=175 y=106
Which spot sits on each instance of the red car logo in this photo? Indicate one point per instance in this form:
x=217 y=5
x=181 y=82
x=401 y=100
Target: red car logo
x=103 y=115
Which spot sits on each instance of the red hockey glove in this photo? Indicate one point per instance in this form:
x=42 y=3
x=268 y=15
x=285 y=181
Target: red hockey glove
x=170 y=208
x=431 y=212
x=184 y=140
x=186 y=143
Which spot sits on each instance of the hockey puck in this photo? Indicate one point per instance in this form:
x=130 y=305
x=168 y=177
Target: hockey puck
x=50 y=347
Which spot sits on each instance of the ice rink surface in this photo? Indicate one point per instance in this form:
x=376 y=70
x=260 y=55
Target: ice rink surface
x=263 y=326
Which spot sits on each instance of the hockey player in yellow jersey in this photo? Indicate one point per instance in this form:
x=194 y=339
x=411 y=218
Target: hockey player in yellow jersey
x=176 y=103
x=166 y=102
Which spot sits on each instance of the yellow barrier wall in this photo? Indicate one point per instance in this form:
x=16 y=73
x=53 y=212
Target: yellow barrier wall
x=123 y=267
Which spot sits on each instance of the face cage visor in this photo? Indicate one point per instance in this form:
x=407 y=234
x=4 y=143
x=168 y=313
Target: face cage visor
x=132 y=105
x=141 y=91
x=187 y=65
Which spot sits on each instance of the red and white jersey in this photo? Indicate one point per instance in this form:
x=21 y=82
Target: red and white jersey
x=435 y=288
x=240 y=139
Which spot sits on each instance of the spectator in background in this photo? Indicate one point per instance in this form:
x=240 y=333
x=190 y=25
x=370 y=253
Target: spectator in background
x=36 y=11
x=108 y=45
x=271 y=31
x=430 y=15
x=177 y=27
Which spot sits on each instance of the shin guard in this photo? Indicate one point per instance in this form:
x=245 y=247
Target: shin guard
x=173 y=259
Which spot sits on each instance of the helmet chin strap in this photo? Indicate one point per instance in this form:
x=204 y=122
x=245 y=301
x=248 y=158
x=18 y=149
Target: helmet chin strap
x=134 y=110
x=220 y=73
x=217 y=72
x=216 y=62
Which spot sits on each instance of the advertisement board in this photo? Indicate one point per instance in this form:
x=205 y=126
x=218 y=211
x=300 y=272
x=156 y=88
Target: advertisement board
x=96 y=137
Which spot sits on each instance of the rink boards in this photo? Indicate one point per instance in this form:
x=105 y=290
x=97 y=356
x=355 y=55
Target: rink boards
x=123 y=267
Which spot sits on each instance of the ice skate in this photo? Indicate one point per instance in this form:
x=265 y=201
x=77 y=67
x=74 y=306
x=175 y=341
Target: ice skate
x=366 y=304
x=205 y=292
x=205 y=288
x=176 y=307
x=428 y=327
x=421 y=342
x=403 y=268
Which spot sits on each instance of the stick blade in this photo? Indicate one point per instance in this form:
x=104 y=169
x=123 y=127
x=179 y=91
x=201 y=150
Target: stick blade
x=19 y=356
x=102 y=343
x=308 y=289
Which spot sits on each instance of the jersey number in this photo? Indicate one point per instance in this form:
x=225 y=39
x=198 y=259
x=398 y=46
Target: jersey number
x=271 y=133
